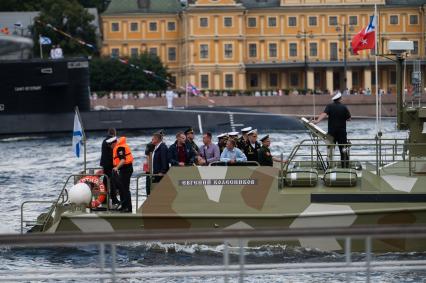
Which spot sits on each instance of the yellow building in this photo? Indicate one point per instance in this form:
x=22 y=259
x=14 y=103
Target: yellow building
x=265 y=44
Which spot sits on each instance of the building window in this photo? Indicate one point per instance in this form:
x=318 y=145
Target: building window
x=333 y=51
x=254 y=80
x=294 y=79
x=153 y=26
x=115 y=52
x=134 y=26
x=229 y=80
x=227 y=22
x=173 y=79
x=153 y=51
x=252 y=23
x=273 y=80
x=355 y=78
x=273 y=50
x=393 y=77
x=416 y=47
x=414 y=20
x=115 y=26
x=204 y=51
x=272 y=22
x=171 y=54
x=171 y=26
x=313 y=49
x=293 y=49
x=332 y=21
x=313 y=21
x=353 y=20
x=134 y=52
x=204 y=22
x=252 y=50
x=393 y=20
x=317 y=80
x=292 y=21
x=228 y=50
x=204 y=81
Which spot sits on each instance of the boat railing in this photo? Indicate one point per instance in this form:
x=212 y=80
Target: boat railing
x=148 y=178
x=61 y=199
x=377 y=152
x=238 y=163
x=232 y=242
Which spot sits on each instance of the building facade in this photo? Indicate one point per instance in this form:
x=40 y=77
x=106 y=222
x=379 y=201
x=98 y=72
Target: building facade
x=266 y=44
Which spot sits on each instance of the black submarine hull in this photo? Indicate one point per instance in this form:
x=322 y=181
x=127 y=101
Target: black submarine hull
x=219 y=119
x=39 y=96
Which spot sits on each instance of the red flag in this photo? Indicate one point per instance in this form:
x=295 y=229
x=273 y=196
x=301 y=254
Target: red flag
x=365 y=39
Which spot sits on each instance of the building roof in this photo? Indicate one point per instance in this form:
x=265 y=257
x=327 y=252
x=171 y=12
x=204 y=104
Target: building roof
x=143 y=6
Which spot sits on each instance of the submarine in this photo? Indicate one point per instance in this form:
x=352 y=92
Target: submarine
x=39 y=97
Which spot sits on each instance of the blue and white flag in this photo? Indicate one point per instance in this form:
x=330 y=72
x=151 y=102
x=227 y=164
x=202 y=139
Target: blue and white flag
x=43 y=40
x=77 y=136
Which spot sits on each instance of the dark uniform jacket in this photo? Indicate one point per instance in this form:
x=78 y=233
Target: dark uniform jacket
x=193 y=145
x=265 y=157
x=106 y=155
x=241 y=143
x=251 y=152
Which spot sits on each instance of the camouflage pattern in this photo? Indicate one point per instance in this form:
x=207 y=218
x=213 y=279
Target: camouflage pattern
x=250 y=198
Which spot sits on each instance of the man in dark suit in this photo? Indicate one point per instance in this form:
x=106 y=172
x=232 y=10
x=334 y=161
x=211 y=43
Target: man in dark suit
x=106 y=164
x=160 y=162
x=181 y=153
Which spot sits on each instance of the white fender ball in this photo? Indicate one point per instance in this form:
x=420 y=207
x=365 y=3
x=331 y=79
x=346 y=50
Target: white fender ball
x=80 y=194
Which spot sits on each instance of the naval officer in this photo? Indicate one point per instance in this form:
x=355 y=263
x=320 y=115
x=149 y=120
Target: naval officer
x=252 y=146
x=242 y=141
x=265 y=157
x=337 y=114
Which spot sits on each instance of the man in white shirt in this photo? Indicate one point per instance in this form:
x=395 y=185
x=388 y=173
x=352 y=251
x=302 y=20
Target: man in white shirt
x=170 y=94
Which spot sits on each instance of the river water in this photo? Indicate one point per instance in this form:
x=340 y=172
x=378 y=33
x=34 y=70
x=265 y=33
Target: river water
x=34 y=168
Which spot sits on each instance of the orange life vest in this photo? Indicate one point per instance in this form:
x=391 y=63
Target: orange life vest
x=121 y=142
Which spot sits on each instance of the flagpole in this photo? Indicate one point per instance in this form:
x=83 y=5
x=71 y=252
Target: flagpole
x=83 y=138
x=186 y=95
x=41 y=47
x=378 y=124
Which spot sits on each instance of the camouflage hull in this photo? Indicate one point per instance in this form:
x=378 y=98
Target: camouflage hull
x=253 y=198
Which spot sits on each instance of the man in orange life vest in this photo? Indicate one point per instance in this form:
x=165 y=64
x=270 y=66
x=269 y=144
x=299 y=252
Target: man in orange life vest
x=122 y=160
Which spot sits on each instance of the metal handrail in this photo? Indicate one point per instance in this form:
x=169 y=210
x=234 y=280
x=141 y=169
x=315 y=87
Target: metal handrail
x=22 y=210
x=56 y=202
x=138 y=177
x=254 y=163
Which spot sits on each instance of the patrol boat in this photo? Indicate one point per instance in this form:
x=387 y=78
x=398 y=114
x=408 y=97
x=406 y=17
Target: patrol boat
x=385 y=184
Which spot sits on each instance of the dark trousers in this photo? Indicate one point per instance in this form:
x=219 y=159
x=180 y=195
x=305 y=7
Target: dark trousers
x=340 y=137
x=108 y=173
x=125 y=173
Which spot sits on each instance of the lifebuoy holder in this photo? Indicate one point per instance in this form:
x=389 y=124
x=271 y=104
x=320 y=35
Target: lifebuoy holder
x=99 y=192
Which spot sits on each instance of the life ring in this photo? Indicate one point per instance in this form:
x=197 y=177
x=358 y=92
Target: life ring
x=97 y=187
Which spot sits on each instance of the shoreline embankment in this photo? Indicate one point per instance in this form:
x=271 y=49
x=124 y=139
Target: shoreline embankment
x=359 y=105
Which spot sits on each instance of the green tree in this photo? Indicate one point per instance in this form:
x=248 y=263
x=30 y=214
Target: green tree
x=70 y=17
x=101 y=5
x=109 y=74
x=20 y=5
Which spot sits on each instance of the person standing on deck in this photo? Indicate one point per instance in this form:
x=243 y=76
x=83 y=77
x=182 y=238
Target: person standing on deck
x=337 y=114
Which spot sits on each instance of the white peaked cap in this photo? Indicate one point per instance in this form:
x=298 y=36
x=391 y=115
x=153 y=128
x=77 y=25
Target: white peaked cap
x=221 y=135
x=337 y=96
x=252 y=132
x=247 y=129
x=233 y=133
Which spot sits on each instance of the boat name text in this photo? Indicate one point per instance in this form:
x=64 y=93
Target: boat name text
x=218 y=182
